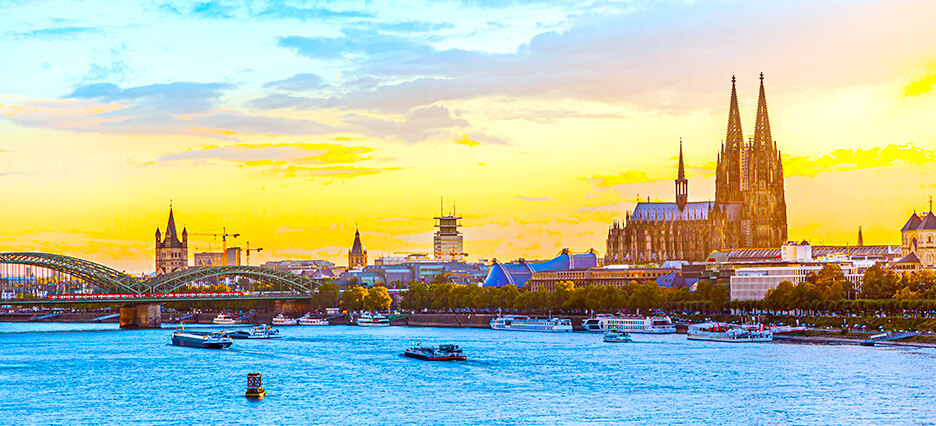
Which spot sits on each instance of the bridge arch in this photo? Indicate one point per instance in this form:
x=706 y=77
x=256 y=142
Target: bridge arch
x=108 y=279
x=169 y=282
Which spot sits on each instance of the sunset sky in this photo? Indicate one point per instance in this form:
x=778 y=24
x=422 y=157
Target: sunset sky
x=290 y=122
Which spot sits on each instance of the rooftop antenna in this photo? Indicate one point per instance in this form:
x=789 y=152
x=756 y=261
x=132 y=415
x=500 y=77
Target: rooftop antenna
x=441 y=206
x=931 y=203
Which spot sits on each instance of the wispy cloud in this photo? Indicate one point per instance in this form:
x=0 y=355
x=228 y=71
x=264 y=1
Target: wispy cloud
x=858 y=159
x=288 y=160
x=623 y=178
x=534 y=199
x=296 y=83
x=59 y=33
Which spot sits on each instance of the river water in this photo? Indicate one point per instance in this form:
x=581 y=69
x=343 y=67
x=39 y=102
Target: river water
x=95 y=373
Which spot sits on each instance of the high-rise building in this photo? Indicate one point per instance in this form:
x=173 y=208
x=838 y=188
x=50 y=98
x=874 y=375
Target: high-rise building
x=447 y=243
x=171 y=252
x=749 y=208
x=357 y=256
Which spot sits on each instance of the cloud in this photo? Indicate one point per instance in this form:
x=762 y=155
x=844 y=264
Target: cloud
x=467 y=142
x=624 y=178
x=296 y=83
x=923 y=84
x=202 y=10
x=113 y=68
x=858 y=159
x=308 y=160
x=275 y=154
x=287 y=230
x=373 y=44
x=534 y=199
x=282 y=11
x=177 y=97
x=59 y=33
x=418 y=125
x=413 y=26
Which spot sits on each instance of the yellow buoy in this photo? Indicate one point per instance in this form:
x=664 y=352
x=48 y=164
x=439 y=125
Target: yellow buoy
x=255 y=388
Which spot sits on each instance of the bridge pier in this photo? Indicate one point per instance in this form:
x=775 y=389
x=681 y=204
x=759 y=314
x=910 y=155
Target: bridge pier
x=144 y=315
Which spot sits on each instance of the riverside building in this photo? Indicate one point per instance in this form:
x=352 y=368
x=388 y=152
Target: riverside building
x=448 y=243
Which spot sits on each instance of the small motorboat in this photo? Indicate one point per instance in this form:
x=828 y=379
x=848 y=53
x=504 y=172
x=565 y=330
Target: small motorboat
x=615 y=336
x=224 y=319
x=258 y=332
x=308 y=320
x=281 y=319
x=440 y=353
x=215 y=340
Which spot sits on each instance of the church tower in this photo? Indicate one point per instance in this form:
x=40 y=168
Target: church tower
x=729 y=167
x=357 y=256
x=682 y=184
x=171 y=252
x=764 y=217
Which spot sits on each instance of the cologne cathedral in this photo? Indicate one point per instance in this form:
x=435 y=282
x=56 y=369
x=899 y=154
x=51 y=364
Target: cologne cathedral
x=749 y=210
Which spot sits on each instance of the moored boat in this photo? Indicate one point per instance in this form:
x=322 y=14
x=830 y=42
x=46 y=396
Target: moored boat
x=216 y=340
x=525 y=323
x=308 y=320
x=368 y=319
x=440 y=353
x=224 y=319
x=281 y=319
x=723 y=332
x=258 y=332
x=643 y=325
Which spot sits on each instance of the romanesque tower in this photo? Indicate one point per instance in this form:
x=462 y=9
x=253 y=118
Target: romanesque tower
x=763 y=221
x=171 y=253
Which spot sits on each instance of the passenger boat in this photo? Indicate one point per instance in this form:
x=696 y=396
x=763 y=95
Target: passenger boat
x=216 y=340
x=642 y=325
x=525 y=323
x=596 y=323
x=368 y=319
x=308 y=320
x=224 y=319
x=440 y=353
x=281 y=319
x=258 y=332
x=614 y=336
x=723 y=332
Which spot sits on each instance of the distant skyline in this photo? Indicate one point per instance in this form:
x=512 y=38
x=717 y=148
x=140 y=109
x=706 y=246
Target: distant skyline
x=290 y=122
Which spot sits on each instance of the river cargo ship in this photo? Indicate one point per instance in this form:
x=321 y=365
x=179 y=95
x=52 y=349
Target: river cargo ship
x=440 y=353
x=216 y=340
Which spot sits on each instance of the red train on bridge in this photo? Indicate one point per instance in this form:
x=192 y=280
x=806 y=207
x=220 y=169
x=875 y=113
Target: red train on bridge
x=130 y=296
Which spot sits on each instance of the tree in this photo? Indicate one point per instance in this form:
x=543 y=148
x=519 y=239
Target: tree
x=561 y=294
x=780 y=298
x=377 y=299
x=353 y=298
x=416 y=297
x=507 y=295
x=879 y=284
x=646 y=296
x=328 y=294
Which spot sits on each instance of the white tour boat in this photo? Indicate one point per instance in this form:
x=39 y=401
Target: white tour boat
x=281 y=319
x=224 y=319
x=723 y=332
x=525 y=323
x=308 y=320
x=643 y=325
x=596 y=323
x=368 y=319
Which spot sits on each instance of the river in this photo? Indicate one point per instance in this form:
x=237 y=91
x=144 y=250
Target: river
x=95 y=373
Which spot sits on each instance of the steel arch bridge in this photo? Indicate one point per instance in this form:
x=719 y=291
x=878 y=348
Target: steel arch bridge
x=113 y=281
x=108 y=279
x=168 y=282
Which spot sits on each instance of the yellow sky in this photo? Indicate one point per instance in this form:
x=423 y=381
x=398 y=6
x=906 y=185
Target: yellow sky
x=537 y=154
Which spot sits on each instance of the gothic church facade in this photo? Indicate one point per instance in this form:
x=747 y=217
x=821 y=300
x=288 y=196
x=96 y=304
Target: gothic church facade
x=749 y=210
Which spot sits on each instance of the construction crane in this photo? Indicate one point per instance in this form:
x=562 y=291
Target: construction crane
x=248 y=252
x=224 y=234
